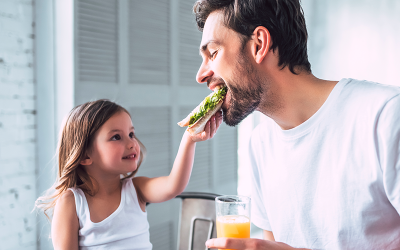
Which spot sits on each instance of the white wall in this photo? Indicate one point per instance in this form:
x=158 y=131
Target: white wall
x=17 y=125
x=357 y=39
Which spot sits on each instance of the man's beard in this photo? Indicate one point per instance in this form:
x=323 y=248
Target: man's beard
x=244 y=100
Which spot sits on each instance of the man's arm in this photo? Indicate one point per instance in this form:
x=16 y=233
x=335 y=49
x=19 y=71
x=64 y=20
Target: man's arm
x=388 y=138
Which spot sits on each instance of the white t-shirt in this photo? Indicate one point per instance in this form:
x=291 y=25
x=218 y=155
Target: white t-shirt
x=126 y=228
x=332 y=182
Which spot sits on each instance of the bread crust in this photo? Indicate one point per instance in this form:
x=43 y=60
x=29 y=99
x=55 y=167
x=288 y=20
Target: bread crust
x=199 y=125
x=185 y=122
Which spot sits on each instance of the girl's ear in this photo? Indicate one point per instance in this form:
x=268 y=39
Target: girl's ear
x=87 y=161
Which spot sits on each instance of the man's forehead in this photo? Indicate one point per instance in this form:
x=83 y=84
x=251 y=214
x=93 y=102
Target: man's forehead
x=212 y=28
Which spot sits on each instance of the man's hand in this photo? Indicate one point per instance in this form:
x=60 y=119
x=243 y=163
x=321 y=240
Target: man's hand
x=247 y=244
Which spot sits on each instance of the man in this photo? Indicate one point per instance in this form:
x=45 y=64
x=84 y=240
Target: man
x=326 y=165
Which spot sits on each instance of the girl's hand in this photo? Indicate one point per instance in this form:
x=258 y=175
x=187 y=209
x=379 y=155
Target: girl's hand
x=209 y=130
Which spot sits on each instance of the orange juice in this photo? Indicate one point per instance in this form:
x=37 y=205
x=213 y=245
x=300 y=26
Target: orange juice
x=233 y=226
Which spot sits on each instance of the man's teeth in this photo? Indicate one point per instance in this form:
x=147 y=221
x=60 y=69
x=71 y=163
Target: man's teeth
x=219 y=87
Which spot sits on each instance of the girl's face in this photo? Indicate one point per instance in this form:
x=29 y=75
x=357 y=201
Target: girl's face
x=115 y=149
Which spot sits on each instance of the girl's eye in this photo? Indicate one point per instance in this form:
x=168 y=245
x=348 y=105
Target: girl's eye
x=131 y=135
x=214 y=54
x=116 y=137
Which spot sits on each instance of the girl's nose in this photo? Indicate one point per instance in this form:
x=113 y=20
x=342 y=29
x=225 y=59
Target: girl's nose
x=131 y=144
x=204 y=73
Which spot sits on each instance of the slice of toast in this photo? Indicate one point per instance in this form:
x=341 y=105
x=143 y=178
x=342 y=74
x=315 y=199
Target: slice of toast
x=199 y=125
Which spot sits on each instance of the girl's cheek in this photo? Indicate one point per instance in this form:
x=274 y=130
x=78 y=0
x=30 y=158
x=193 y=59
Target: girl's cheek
x=138 y=148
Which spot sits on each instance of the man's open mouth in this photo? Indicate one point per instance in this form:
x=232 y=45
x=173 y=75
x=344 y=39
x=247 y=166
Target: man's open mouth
x=220 y=85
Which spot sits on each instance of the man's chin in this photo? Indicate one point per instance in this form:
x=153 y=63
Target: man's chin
x=233 y=116
x=230 y=118
x=235 y=111
x=229 y=122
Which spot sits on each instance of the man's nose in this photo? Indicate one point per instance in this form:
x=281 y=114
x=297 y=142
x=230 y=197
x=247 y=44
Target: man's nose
x=204 y=73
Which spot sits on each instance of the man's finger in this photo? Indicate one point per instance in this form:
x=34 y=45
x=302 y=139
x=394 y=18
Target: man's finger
x=226 y=243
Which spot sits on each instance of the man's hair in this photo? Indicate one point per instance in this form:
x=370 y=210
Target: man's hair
x=284 y=20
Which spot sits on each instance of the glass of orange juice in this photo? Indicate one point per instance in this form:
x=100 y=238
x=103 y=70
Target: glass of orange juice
x=233 y=216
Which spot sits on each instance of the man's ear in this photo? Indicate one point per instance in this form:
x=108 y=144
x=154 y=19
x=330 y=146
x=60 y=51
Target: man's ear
x=87 y=161
x=261 y=43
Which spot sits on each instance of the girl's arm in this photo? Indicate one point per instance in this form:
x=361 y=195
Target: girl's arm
x=65 y=223
x=164 y=188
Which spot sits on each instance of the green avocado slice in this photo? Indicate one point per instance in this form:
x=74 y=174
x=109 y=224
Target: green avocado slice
x=209 y=103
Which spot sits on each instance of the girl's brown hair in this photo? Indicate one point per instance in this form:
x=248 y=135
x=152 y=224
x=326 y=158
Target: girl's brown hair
x=76 y=138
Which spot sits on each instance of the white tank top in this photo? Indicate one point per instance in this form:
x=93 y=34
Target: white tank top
x=126 y=228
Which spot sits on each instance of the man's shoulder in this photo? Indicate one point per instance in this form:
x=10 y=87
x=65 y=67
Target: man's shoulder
x=367 y=89
x=365 y=97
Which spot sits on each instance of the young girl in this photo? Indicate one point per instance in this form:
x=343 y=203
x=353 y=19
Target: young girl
x=93 y=207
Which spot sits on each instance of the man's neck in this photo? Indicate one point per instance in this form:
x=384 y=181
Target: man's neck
x=295 y=97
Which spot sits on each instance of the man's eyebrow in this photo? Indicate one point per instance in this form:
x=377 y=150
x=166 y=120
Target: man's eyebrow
x=203 y=47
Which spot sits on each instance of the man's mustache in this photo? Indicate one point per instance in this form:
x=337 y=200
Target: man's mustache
x=215 y=80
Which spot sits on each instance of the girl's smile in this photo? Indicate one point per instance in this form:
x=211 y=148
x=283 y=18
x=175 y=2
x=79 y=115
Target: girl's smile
x=130 y=157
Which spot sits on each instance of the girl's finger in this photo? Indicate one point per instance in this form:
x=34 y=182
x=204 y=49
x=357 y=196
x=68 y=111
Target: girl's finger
x=207 y=131
x=219 y=119
x=213 y=125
